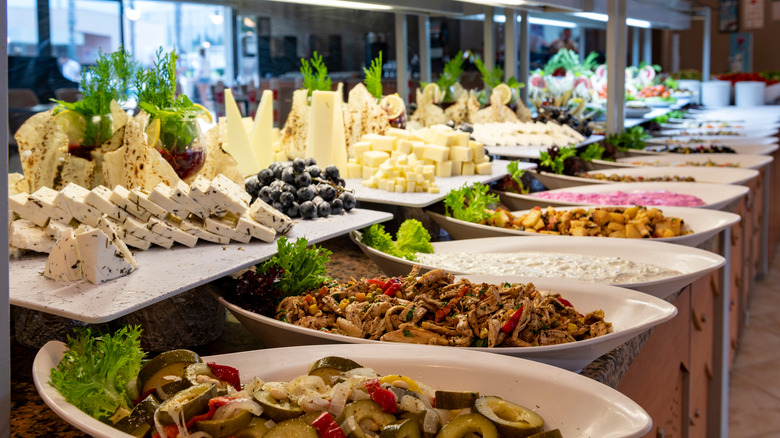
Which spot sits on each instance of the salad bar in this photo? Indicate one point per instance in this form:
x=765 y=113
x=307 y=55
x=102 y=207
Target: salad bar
x=543 y=246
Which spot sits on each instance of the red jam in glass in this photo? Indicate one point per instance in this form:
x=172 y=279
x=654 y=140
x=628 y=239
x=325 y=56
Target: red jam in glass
x=185 y=162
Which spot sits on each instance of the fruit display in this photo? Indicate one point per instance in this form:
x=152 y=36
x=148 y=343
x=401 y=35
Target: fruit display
x=302 y=189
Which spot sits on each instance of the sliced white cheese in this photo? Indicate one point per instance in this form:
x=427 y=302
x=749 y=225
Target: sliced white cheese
x=201 y=193
x=181 y=194
x=238 y=144
x=106 y=226
x=139 y=230
x=101 y=260
x=120 y=196
x=45 y=199
x=229 y=194
x=194 y=226
x=225 y=228
x=162 y=195
x=73 y=196
x=64 y=263
x=270 y=217
x=21 y=205
x=172 y=232
x=24 y=234
x=263 y=130
x=55 y=229
x=319 y=141
x=100 y=198
x=247 y=225
x=141 y=199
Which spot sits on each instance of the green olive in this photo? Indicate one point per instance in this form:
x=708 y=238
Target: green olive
x=511 y=419
x=464 y=425
x=277 y=410
x=402 y=429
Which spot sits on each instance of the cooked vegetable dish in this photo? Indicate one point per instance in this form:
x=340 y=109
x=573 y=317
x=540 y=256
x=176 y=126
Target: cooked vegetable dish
x=435 y=309
x=628 y=178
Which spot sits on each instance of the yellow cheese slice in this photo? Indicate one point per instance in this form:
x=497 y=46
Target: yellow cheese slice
x=238 y=145
x=321 y=123
x=263 y=130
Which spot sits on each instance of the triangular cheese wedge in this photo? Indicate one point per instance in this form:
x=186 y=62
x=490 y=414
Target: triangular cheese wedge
x=101 y=260
x=111 y=231
x=63 y=263
x=338 y=149
x=238 y=144
x=263 y=130
x=326 y=139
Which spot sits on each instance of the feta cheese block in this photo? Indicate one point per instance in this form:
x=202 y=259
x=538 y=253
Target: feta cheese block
x=100 y=198
x=194 y=226
x=72 y=196
x=45 y=199
x=181 y=194
x=101 y=260
x=64 y=263
x=270 y=217
x=23 y=234
x=172 y=232
x=233 y=197
x=105 y=225
x=203 y=195
x=120 y=197
x=55 y=229
x=141 y=199
x=247 y=225
x=162 y=195
x=225 y=228
x=139 y=230
x=21 y=205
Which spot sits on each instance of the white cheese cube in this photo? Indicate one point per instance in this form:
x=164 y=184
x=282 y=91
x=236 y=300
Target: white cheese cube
x=141 y=201
x=442 y=138
x=444 y=169
x=379 y=142
x=461 y=153
x=457 y=167
x=478 y=150
x=120 y=196
x=201 y=192
x=483 y=159
x=411 y=186
x=23 y=234
x=399 y=133
x=247 y=225
x=354 y=170
x=419 y=188
x=400 y=188
x=55 y=229
x=63 y=263
x=400 y=181
x=45 y=199
x=100 y=198
x=429 y=172
x=101 y=260
x=135 y=242
x=468 y=168
x=72 y=196
x=460 y=138
x=270 y=217
x=404 y=146
x=485 y=168
x=418 y=148
x=360 y=148
x=436 y=153
x=233 y=192
x=162 y=195
x=375 y=158
x=21 y=205
x=396 y=154
x=390 y=185
x=368 y=171
x=428 y=162
x=433 y=190
x=138 y=229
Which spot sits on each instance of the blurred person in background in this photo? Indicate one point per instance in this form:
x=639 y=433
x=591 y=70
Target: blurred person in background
x=203 y=76
x=563 y=42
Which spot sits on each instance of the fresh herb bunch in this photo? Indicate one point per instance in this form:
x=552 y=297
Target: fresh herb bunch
x=373 y=78
x=470 y=203
x=157 y=96
x=632 y=138
x=304 y=268
x=594 y=151
x=517 y=176
x=561 y=161
x=453 y=69
x=315 y=74
x=569 y=61
x=411 y=238
x=674 y=114
x=108 y=80
x=95 y=373
x=493 y=78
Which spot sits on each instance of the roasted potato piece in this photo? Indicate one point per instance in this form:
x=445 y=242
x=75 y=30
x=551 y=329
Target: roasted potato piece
x=531 y=218
x=600 y=217
x=632 y=232
x=617 y=217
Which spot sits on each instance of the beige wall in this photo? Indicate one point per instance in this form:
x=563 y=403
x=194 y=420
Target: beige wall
x=766 y=41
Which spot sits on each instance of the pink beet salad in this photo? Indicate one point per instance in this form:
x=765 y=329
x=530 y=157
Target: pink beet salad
x=657 y=197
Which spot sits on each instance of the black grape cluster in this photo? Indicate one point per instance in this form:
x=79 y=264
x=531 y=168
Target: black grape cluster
x=302 y=189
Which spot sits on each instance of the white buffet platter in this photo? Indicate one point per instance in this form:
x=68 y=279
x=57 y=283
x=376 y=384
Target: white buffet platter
x=754 y=162
x=163 y=273
x=715 y=175
x=531 y=152
x=405 y=199
x=739 y=148
x=592 y=409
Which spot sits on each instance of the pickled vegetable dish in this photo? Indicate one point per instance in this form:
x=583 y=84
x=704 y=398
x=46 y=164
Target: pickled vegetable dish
x=435 y=309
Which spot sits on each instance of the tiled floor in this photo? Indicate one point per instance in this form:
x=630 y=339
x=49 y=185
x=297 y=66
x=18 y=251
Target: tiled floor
x=754 y=397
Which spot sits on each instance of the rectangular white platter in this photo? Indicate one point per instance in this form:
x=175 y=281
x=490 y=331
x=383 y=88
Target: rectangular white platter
x=365 y=194
x=163 y=272
x=531 y=152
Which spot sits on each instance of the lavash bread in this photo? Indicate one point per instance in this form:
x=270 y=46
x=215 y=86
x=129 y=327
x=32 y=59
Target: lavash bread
x=427 y=113
x=496 y=112
x=459 y=111
x=363 y=116
x=217 y=160
x=42 y=146
x=296 y=127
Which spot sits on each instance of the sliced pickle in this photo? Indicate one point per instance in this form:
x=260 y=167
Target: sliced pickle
x=225 y=426
x=191 y=402
x=295 y=428
x=455 y=399
x=402 y=429
x=170 y=363
x=142 y=413
x=277 y=410
x=332 y=366
x=362 y=410
x=555 y=433
x=511 y=419
x=465 y=425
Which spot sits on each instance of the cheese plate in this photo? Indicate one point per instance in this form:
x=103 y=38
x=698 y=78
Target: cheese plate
x=405 y=199
x=704 y=223
x=595 y=409
x=163 y=273
x=692 y=263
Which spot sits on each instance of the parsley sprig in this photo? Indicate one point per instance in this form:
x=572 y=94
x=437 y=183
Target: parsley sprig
x=517 y=176
x=470 y=203
x=315 y=74
x=556 y=162
x=304 y=268
x=373 y=78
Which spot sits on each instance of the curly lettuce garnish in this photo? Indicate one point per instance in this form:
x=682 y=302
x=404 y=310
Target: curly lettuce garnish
x=470 y=203
x=411 y=238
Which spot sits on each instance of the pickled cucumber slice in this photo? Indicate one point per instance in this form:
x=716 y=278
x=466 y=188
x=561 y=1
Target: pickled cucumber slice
x=402 y=429
x=464 y=425
x=455 y=399
x=225 y=426
x=191 y=402
x=555 y=433
x=170 y=363
x=332 y=366
x=511 y=419
x=277 y=410
x=294 y=428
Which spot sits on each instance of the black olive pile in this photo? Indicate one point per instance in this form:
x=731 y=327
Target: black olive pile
x=302 y=189
x=564 y=117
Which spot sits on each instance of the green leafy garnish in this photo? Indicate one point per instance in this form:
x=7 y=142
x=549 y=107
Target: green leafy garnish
x=517 y=176
x=569 y=60
x=157 y=96
x=450 y=75
x=632 y=138
x=492 y=77
x=671 y=83
x=411 y=238
x=373 y=78
x=557 y=164
x=594 y=151
x=108 y=80
x=95 y=373
x=470 y=203
x=315 y=74
x=304 y=268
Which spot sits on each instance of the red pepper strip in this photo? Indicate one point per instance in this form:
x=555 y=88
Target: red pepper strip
x=444 y=311
x=392 y=288
x=565 y=302
x=214 y=403
x=226 y=374
x=382 y=285
x=511 y=324
x=385 y=398
x=327 y=427
x=144 y=395
x=170 y=431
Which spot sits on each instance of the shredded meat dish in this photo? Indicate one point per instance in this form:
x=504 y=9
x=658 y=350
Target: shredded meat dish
x=435 y=309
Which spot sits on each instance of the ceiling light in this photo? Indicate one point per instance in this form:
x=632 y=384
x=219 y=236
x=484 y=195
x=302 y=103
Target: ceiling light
x=249 y=22
x=340 y=4
x=132 y=14
x=496 y=2
x=216 y=18
x=637 y=23
x=592 y=16
x=546 y=22
x=206 y=44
